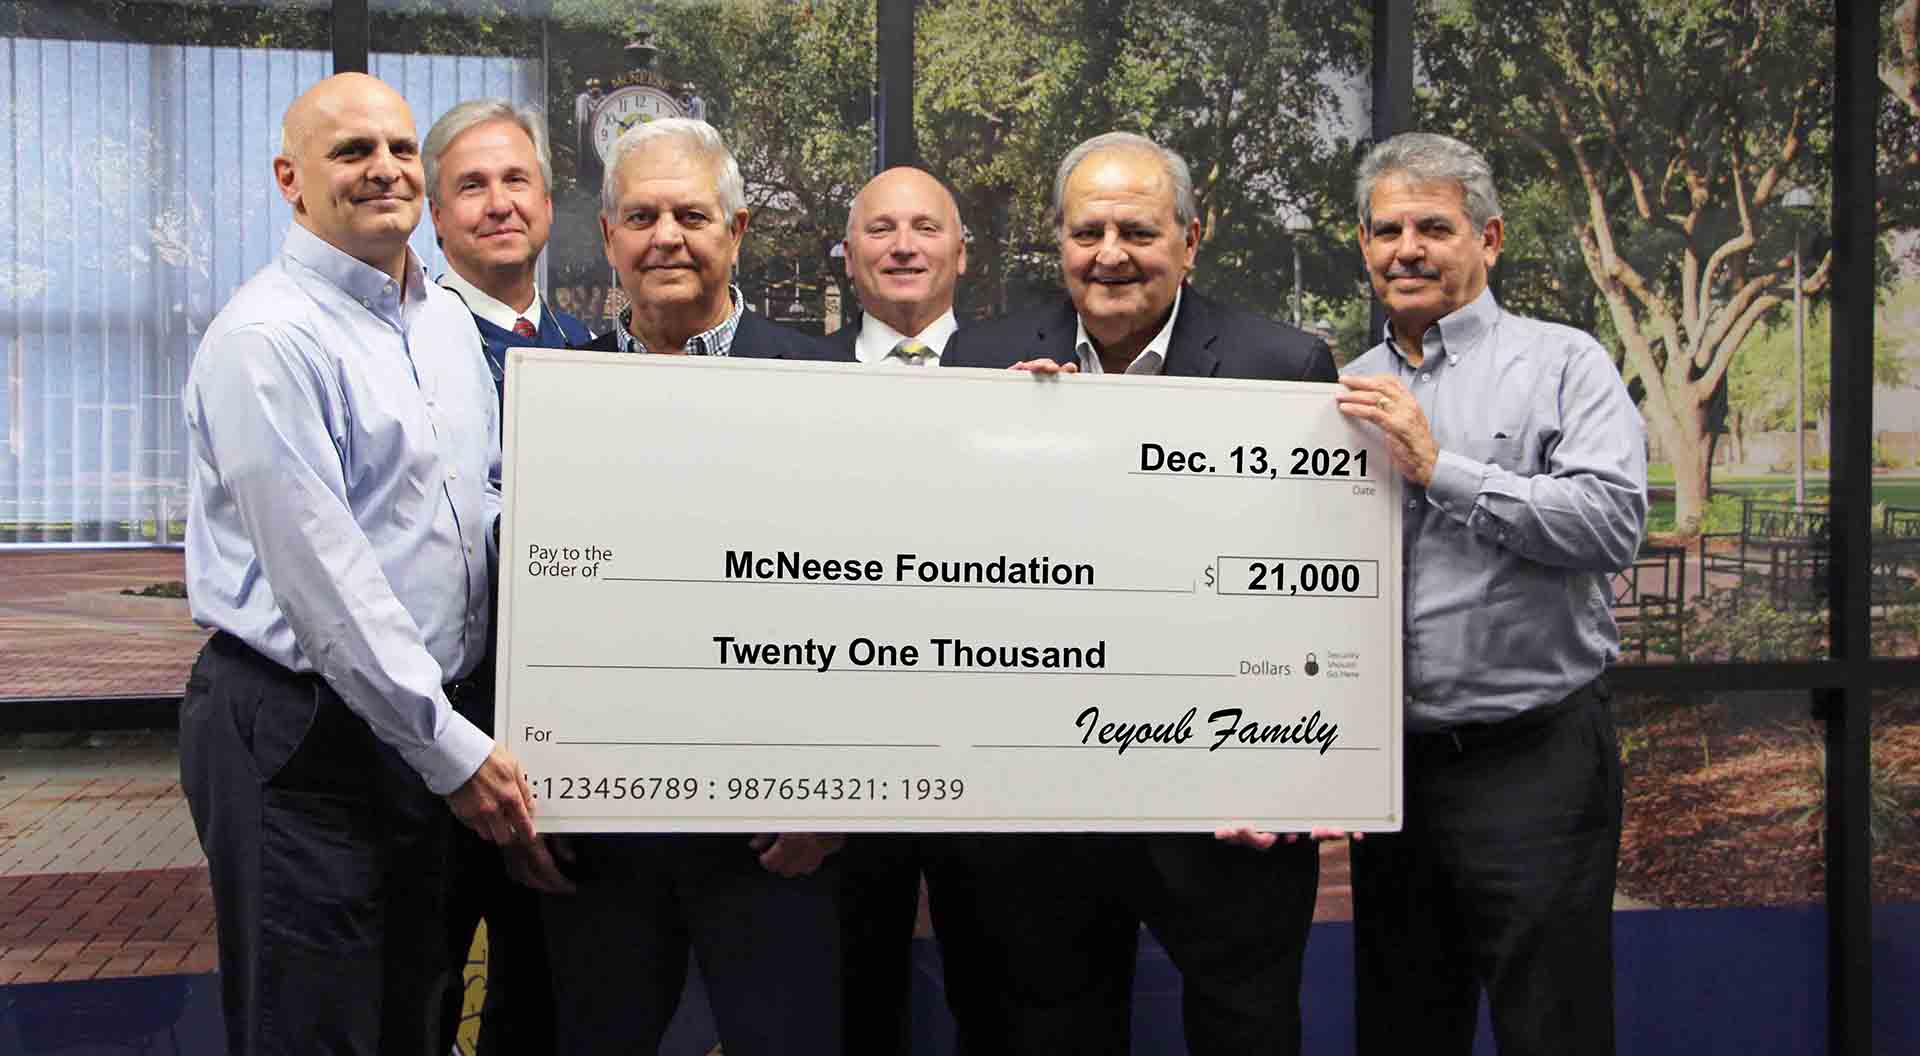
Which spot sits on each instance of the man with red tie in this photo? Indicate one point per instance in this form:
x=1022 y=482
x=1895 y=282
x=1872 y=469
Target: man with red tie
x=488 y=174
x=489 y=181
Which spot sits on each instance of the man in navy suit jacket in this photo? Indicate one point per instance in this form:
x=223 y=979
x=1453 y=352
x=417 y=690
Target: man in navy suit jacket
x=489 y=179
x=760 y=913
x=488 y=185
x=1043 y=928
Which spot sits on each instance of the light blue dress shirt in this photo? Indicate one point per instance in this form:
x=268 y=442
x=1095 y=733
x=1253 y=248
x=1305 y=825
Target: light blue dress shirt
x=342 y=489
x=1540 y=495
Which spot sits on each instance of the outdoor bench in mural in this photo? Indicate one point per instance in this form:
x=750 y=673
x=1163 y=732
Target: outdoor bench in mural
x=1648 y=598
x=1781 y=552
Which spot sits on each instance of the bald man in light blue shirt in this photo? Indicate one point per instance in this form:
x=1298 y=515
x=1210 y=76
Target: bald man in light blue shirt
x=342 y=497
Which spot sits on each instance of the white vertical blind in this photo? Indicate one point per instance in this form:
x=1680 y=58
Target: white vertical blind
x=136 y=193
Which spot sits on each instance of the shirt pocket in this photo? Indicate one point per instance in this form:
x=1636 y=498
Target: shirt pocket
x=1511 y=448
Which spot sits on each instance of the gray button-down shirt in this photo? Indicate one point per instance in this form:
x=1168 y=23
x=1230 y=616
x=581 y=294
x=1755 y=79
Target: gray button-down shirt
x=1540 y=494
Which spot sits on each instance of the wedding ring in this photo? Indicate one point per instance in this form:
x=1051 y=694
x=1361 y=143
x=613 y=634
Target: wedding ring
x=1383 y=403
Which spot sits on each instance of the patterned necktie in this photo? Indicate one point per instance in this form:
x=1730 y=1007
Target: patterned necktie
x=911 y=352
x=524 y=328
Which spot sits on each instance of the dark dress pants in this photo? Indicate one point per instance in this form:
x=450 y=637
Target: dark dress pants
x=328 y=859
x=1038 y=936
x=879 y=904
x=768 y=947
x=1501 y=879
x=516 y=1017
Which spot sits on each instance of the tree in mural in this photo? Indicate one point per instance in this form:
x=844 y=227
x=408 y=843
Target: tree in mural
x=1673 y=132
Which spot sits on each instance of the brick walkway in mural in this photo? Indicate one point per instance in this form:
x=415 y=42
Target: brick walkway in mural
x=100 y=871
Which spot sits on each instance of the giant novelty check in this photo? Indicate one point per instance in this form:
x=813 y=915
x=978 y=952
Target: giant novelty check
x=761 y=596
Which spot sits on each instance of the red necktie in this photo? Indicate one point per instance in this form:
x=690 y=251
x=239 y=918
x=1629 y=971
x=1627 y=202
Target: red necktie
x=524 y=328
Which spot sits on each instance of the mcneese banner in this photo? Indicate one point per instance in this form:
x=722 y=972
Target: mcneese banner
x=760 y=596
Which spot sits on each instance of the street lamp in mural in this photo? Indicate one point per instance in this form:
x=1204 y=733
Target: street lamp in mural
x=1799 y=203
x=1298 y=226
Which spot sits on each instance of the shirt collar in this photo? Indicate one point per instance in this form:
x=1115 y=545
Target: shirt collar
x=715 y=342
x=876 y=339
x=489 y=307
x=1456 y=333
x=1151 y=360
x=363 y=282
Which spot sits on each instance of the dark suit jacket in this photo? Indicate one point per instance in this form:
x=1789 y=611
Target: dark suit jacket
x=841 y=341
x=1015 y=912
x=1210 y=340
x=755 y=338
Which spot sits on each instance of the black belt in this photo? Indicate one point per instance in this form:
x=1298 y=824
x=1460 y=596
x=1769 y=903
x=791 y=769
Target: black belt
x=1479 y=736
x=232 y=645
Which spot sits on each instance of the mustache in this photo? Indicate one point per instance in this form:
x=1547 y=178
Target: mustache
x=1415 y=272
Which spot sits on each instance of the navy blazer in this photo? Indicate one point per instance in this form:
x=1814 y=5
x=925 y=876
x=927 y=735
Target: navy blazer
x=754 y=338
x=1210 y=340
x=841 y=342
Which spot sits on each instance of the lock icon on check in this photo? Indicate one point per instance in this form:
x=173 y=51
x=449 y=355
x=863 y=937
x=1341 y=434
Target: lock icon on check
x=1313 y=665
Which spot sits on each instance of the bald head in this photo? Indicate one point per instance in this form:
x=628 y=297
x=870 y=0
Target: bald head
x=905 y=249
x=349 y=165
x=323 y=99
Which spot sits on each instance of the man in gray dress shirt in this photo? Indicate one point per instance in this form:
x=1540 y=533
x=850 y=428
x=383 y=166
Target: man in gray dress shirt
x=1525 y=469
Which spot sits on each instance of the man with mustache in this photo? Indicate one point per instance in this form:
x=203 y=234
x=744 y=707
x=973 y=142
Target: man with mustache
x=1525 y=470
x=489 y=181
x=340 y=541
x=1044 y=928
x=760 y=913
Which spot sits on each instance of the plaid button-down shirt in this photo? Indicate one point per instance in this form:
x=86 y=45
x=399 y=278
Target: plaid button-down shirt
x=715 y=342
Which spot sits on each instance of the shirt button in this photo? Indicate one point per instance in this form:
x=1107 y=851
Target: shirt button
x=1424 y=375
x=366 y=302
x=452 y=475
x=1413 y=504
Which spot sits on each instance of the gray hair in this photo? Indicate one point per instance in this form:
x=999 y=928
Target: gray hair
x=478 y=112
x=1427 y=157
x=1185 y=210
x=702 y=137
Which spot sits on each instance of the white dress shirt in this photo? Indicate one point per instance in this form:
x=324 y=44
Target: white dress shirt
x=489 y=307
x=877 y=339
x=1151 y=360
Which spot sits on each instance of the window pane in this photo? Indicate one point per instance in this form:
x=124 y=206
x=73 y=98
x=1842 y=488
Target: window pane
x=1894 y=818
x=136 y=194
x=1662 y=186
x=1722 y=872
x=1895 y=577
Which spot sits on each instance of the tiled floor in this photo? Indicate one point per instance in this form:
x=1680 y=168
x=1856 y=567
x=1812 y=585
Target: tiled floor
x=100 y=871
